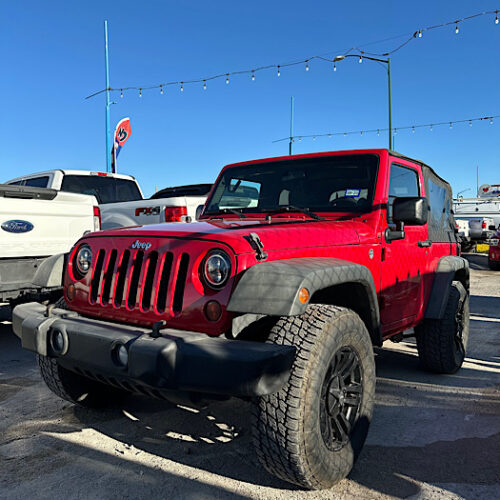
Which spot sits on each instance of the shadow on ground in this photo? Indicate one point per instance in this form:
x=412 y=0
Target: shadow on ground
x=477 y=261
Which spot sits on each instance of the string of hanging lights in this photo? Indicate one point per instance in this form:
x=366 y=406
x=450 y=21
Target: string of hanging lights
x=278 y=67
x=413 y=128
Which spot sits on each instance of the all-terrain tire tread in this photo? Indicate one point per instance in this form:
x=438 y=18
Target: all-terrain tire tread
x=435 y=337
x=278 y=417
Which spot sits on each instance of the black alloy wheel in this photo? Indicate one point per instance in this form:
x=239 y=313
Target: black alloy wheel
x=341 y=397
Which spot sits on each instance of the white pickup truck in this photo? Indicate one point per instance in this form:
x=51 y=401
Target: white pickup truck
x=35 y=225
x=120 y=198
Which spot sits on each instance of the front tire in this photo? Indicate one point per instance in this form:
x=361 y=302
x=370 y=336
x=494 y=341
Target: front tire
x=75 y=388
x=442 y=343
x=312 y=430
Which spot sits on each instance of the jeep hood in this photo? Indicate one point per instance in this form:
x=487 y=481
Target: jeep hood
x=279 y=234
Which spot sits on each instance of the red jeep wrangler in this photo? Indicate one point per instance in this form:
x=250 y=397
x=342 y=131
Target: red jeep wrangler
x=300 y=265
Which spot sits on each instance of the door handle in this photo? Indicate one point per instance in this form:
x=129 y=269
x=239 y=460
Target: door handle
x=425 y=244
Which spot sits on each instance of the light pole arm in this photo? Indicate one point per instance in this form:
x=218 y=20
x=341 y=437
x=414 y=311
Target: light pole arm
x=385 y=61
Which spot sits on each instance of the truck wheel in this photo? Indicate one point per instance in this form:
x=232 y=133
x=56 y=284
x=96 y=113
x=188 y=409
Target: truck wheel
x=311 y=431
x=75 y=388
x=441 y=343
x=494 y=265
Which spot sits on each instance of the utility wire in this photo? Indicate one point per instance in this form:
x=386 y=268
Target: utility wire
x=278 y=67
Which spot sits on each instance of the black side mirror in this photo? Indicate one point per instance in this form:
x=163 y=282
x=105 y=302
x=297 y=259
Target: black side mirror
x=411 y=211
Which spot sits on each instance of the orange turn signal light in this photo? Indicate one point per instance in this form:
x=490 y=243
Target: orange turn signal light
x=70 y=292
x=213 y=310
x=303 y=295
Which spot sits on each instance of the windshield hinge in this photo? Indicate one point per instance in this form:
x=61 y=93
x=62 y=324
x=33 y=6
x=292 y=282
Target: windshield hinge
x=257 y=245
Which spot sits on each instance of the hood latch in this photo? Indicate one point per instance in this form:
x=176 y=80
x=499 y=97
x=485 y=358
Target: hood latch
x=257 y=245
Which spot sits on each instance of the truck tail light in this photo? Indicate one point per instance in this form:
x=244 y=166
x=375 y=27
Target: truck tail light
x=175 y=214
x=97 y=219
x=484 y=224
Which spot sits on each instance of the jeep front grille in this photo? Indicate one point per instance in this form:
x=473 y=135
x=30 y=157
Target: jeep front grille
x=148 y=281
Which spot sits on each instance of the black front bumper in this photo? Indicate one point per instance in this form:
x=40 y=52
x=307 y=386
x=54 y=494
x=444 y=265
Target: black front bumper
x=175 y=360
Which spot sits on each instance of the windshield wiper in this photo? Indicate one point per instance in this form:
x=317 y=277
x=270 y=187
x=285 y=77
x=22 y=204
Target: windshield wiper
x=293 y=208
x=228 y=211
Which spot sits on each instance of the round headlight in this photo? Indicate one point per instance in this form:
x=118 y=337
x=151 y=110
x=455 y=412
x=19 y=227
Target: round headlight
x=83 y=260
x=216 y=268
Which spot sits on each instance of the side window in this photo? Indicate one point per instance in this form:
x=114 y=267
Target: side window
x=440 y=206
x=403 y=183
x=39 y=182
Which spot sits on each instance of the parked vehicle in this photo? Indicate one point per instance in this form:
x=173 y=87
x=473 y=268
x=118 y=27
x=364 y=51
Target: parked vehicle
x=120 y=197
x=463 y=230
x=487 y=204
x=494 y=252
x=297 y=268
x=36 y=224
x=481 y=228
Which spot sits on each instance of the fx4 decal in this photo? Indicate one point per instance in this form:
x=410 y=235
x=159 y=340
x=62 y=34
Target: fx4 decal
x=147 y=211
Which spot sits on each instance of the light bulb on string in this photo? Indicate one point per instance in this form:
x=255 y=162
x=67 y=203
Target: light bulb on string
x=378 y=132
x=253 y=76
x=496 y=17
x=314 y=138
x=456 y=29
x=307 y=65
x=419 y=33
x=204 y=85
x=345 y=135
x=361 y=132
x=227 y=79
x=334 y=66
x=491 y=121
x=431 y=127
x=413 y=129
x=279 y=72
x=182 y=86
x=140 y=92
x=161 y=89
x=470 y=123
x=330 y=136
x=360 y=59
x=300 y=138
x=395 y=131
x=451 y=125
x=121 y=93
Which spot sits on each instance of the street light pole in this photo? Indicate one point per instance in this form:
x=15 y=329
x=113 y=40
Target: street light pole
x=108 y=103
x=384 y=61
x=390 y=100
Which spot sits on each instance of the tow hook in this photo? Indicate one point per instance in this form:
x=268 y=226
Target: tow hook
x=257 y=245
x=155 y=331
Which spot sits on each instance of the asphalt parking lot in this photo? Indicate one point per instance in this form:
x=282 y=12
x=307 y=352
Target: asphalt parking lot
x=432 y=435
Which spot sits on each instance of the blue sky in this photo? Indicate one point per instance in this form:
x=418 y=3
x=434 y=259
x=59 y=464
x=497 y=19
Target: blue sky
x=52 y=57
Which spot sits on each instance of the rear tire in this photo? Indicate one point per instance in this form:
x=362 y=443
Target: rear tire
x=494 y=265
x=311 y=431
x=442 y=343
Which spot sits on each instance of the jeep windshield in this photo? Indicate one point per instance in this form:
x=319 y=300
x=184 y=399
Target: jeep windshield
x=340 y=183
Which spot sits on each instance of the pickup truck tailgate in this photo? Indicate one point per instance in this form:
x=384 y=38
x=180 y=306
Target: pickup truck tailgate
x=37 y=222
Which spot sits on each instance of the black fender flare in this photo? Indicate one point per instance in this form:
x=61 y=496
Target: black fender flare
x=272 y=288
x=446 y=270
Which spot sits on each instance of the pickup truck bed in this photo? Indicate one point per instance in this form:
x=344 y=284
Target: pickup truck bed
x=36 y=223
